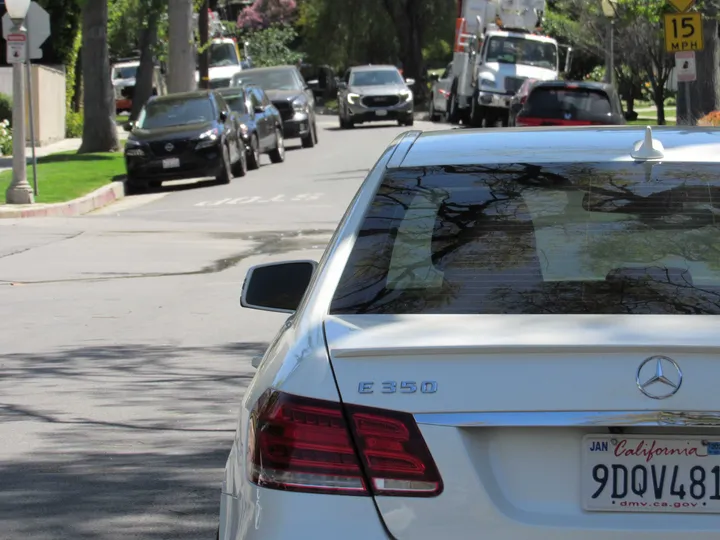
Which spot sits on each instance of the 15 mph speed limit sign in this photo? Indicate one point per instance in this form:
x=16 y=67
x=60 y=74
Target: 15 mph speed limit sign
x=683 y=32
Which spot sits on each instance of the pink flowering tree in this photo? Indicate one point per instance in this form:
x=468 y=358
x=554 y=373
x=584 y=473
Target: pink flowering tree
x=263 y=13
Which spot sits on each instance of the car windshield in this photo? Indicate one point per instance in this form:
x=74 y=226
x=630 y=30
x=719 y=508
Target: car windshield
x=378 y=77
x=175 y=112
x=223 y=54
x=569 y=103
x=125 y=72
x=586 y=238
x=236 y=102
x=281 y=79
x=515 y=50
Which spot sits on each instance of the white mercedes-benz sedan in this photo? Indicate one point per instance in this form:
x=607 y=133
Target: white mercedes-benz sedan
x=511 y=335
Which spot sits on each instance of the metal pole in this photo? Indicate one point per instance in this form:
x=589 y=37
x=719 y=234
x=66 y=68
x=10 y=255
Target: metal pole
x=19 y=191
x=28 y=72
x=611 y=63
x=688 y=105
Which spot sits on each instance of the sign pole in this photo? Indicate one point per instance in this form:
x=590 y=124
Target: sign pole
x=28 y=72
x=688 y=105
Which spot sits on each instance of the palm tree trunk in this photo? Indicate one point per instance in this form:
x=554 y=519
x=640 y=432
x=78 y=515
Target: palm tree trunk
x=99 y=127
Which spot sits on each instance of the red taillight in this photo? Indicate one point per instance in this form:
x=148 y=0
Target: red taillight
x=444 y=93
x=302 y=444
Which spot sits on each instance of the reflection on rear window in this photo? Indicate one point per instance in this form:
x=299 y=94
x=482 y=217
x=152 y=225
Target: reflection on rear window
x=578 y=104
x=563 y=239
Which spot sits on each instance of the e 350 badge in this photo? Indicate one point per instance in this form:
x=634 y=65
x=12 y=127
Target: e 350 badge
x=403 y=387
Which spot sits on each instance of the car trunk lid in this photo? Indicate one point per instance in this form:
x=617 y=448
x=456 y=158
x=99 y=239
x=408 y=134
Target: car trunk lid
x=510 y=406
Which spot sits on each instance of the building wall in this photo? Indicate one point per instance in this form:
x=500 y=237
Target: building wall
x=48 y=91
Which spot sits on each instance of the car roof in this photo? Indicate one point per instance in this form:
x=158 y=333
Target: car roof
x=590 y=85
x=558 y=145
x=266 y=69
x=379 y=67
x=185 y=95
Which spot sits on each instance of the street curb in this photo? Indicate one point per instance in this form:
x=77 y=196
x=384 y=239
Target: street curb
x=77 y=207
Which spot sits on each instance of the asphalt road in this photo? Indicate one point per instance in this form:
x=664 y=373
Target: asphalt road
x=123 y=349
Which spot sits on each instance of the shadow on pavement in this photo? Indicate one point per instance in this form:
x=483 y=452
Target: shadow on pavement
x=364 y=126
x=140 y=456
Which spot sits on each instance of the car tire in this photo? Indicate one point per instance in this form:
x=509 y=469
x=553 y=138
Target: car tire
x=134 y=186
x=277 y=154
x=434 y=116
x=253 y=157
x=407 y=122
x=308 y=141
x=315 y=135
x=240 y=168
x=453 y=108
x=476 y=114
x=225 y=174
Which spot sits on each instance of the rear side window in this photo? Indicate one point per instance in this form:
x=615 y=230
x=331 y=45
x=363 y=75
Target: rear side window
x=568 y=103
x=611 y=238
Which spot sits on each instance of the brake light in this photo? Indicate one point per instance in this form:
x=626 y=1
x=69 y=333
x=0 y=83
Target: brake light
x=303 y=444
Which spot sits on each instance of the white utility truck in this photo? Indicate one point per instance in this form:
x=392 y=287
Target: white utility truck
x=498 y=45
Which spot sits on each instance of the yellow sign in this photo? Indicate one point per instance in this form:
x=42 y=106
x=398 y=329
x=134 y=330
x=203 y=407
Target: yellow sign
x=682 y=5
x=683 y=32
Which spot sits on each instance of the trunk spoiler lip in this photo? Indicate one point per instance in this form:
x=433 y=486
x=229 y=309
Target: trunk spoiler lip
x=571 y=419
x=534 y=348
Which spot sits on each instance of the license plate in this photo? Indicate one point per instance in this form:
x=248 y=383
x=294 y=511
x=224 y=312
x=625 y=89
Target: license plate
x=631 y=473
x=381 y=113
x=171 y=163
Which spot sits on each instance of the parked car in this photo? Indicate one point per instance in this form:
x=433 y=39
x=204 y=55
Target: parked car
x=321 y=80
x=519 y=99
x=375 y=94
x=570 y=103
x=258 y=122
x=287 y=90
x=511 y=335
x=178 y=136
x=124 y=78
x=439 y=94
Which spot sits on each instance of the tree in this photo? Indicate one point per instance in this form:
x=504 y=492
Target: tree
x=264 y=13
x=705 y=92
x=153 y=11
x=99 y=127
x=181 y=52
x=271 y=46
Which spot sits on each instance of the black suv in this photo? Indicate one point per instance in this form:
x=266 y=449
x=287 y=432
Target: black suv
x=179 y=136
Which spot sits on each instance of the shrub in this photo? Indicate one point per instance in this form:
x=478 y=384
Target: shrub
x=711 y=119
x=6 y=106
x=6 y=140
x=73 y=125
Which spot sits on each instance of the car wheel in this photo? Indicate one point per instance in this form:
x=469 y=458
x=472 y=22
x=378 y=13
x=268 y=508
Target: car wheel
x=133 y=186
x=315 y=135
x=225 y=174
x=476 y=114
x=453 y=109
x=253 y=157
x=277 y=154
x=240 y=168
x=431 y=110
x=308 y=141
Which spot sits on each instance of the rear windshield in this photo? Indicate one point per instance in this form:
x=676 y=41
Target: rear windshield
x=569 y=103
x=618 y=238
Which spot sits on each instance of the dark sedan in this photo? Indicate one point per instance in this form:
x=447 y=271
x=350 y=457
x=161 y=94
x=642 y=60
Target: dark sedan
x=288 y=91
x=179 y=136
x=258 y=122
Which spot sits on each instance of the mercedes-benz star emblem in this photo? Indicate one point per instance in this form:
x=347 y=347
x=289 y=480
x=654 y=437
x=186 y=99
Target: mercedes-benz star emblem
x=169 y=147
x=659 y=377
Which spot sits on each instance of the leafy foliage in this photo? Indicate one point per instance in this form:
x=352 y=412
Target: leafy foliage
x=6 y=108
x=264 y=13
x=271 y=46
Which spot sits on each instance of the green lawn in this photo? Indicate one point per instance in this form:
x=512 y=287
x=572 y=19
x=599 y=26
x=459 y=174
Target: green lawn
x=67 y=175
